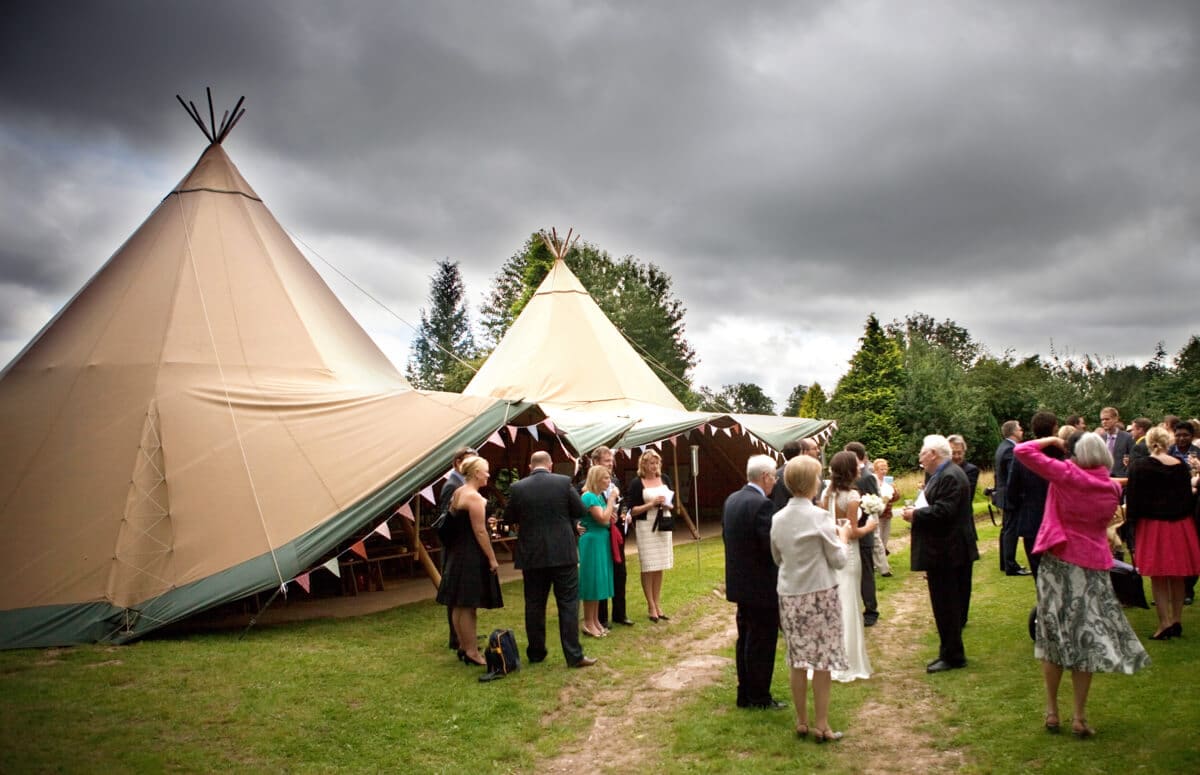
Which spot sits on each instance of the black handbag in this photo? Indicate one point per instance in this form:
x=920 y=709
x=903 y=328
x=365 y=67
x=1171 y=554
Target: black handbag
x=664 y=523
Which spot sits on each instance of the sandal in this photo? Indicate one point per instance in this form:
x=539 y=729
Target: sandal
x=802 y=730
x=825 y=735
x=1053 y=725
x=1081 y=729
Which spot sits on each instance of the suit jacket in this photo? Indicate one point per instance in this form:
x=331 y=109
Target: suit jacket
x=751 y=574
x=453 y=482
x=865 y=485
x=943 y=533
x=1004 y=459
x=1121 y=447
x=547 y=508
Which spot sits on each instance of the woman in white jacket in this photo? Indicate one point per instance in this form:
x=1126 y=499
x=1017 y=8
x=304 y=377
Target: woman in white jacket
x=809 y=548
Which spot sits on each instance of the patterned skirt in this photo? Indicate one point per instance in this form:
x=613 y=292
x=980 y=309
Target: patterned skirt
x=812 y=629
x=1080 y=624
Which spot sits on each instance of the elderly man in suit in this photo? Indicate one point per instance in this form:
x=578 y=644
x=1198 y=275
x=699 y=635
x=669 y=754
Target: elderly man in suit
x=1118 y=440
x=751 y=576
x=1013 y=434
x=547 y=511
x=944 y=546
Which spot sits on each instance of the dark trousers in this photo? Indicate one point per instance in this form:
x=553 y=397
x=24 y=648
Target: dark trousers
x=564 y=579
x=619 y=613
x=757 y=633
x=948 y=589
x=867 y=552
x=453 y=642
x=965 y=589
x=1008 y=542
x=1035 y=560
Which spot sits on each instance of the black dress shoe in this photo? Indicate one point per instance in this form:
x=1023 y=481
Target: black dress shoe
x=768 y=705
x=941 y=666
x=869 y=621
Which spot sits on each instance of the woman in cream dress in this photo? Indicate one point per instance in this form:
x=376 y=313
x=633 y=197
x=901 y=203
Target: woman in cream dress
x=649 y=496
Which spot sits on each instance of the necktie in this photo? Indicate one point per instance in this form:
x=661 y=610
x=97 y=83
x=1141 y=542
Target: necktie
x=1112 y=442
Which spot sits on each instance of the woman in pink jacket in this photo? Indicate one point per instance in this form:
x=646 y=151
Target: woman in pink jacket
x=1080 y=624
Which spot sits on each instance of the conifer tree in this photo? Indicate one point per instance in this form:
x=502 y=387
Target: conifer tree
x=865 y=401
x=444 y=336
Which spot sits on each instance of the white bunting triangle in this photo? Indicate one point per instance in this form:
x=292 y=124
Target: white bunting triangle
x=332 y=567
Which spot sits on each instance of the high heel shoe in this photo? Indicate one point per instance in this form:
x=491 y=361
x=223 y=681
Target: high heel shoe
x=1163 y=634
x=470 y=662
x=462 y=656
x=1176 y=630
x=1053 y=725
x=826 y=735
x=802 y=730
x=1081 y=729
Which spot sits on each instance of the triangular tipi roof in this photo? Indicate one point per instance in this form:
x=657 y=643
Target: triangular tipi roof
x=563 y=351
x=202 y=421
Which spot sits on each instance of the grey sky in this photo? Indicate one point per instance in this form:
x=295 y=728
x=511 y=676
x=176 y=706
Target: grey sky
x=1026 y=169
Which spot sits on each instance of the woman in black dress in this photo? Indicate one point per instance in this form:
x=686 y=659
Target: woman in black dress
x=470 y=580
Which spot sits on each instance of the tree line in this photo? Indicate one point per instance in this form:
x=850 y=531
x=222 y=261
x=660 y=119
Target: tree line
x=907 y=379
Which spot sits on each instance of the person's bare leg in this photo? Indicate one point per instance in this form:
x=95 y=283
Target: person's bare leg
x=591 y=617
x=1177 y=586
x=648 y=591
x=1052 y=675
x=656 y=584
x=1160 y=587
x=1081 y=682
x=464 y=625
x=799 y=681
x=821 y=682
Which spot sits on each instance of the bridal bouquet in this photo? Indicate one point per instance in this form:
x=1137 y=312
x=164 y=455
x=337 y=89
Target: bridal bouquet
x=871 y=505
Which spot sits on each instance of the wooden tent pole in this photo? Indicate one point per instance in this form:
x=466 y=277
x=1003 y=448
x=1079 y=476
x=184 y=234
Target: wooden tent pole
x=414 y=535
x=678 y=500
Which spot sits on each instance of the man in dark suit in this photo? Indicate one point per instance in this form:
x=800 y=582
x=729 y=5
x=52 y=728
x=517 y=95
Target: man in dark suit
x=780 y=495
x=1013 y=434
x=866 y=484
x=750 y=580
x=453 y=481
x=1119 y=440
x=547 y=510
x=943 y=546
x=1026 y=491
x=958 y=454
x=603 y=456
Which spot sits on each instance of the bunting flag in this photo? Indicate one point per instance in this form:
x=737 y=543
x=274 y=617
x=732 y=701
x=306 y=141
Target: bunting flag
x=533 y=431
x=712 y=430
x=512 y=432
x=550 y=426
x=656 y=444
x=496 y=439
x=360 y=549
x=384 y=530
x=703 y=427
x=728 y=432
x=406 y=511
x=736 y=428
x=303 y=581
x=427 y=494
x=332 y=567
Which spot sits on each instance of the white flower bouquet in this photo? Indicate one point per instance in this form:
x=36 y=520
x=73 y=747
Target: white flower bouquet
x=871 y=505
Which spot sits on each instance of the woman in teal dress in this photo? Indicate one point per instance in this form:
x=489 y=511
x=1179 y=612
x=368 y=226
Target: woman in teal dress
x=595 y=552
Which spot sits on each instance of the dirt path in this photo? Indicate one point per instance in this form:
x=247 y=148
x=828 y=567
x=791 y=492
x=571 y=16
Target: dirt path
x=878 y=740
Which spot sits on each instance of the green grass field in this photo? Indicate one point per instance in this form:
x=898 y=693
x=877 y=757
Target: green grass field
x=381 y=693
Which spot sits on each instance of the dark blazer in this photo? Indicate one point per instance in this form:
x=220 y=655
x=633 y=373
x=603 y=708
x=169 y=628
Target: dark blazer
x=865 y=485
x=1004 y=461
x=1121 y=447
x=943 y=533
x=547 y=508
x=750 y=571
x=453 y=482
x=1026 y=493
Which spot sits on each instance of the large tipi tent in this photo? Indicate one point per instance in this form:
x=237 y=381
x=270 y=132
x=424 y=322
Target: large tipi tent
x=563 y=352
x=202 y=421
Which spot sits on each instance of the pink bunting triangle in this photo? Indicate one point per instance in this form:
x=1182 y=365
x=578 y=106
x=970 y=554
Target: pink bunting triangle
x=384 y=530
x=360 y=549
x=303 y=581
x=512 y=432
x=332 y=567
x=427 y=494
x=550 y=426
x=495 y=439
x=406 y=511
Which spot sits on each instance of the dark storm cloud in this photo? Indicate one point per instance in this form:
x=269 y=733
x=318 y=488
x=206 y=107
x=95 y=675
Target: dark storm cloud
x=1013 y=166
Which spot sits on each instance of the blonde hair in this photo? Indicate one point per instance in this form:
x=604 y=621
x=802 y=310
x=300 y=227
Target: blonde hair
x=595 y=475
x=470 y=465
x=1159 y=439
x=801 y=475
x=644 y=460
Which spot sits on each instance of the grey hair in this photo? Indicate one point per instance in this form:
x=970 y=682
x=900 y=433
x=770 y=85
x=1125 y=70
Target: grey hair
x=956 y=439
x=1092 y=452
x=759 y=465
x=937 y=443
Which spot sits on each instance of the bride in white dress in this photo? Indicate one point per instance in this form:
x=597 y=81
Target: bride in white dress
x=841 y=499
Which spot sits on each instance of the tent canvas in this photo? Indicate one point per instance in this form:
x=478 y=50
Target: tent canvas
x=203 y=420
